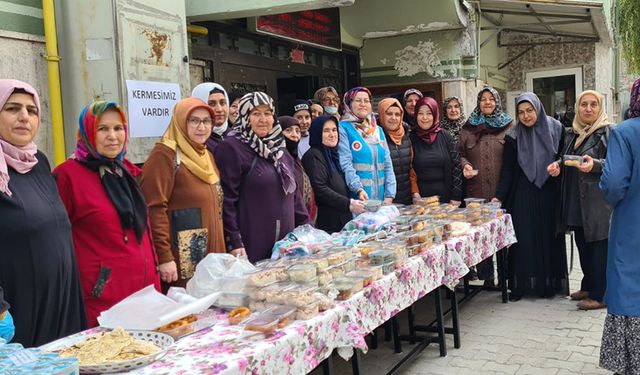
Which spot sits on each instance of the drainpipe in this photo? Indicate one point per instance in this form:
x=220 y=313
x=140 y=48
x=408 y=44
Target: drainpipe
x=55 y=100
x=479 y=21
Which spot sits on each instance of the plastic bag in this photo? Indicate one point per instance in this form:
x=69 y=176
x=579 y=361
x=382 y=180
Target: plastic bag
x=371 y=222
x=7 y=329
x=219 y=273
x=300 y=242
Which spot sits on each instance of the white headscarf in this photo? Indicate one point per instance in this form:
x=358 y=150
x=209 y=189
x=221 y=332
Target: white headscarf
x=202 y=92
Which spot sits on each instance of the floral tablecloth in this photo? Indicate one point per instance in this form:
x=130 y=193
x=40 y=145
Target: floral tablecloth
x=300 y=347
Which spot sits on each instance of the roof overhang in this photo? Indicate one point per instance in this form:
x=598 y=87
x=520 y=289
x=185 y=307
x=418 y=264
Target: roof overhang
x=571 y=20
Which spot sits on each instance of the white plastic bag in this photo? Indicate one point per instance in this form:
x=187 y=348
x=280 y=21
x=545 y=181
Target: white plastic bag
x=219 y=273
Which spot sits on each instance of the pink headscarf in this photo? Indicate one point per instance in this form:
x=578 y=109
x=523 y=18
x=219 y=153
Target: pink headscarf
x=21 y=159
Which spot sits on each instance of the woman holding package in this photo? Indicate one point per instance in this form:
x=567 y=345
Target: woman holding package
x=481 y=145
x=111 y=235
x=38 y=270
x=538 y=261
x=181 y=185
x=584 y=208
x=363 y=149
x=322 y=164
x=261 y=200
x=396 y=132
x=620 y=349
x=436 y=163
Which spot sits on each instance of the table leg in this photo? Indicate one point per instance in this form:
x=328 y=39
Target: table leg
x=454 y=319
x=374 y=339
x=502 y=274
x=395 y=327
x=327 y=364
x=355 y=362
x=442 y=341
x=412 y=324
x=387 y=331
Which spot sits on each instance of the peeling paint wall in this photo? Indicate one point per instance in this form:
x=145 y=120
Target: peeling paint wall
x=22 y=58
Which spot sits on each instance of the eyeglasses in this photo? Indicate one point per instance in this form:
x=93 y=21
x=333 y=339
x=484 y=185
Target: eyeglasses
x=362 y=101
x=194 y=122
x=331 y=100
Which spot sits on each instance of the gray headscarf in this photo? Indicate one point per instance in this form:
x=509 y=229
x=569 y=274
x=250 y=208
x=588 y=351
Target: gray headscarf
x=537 y=145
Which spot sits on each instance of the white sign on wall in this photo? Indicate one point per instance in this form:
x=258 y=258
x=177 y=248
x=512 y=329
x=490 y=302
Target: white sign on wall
x=150 y=107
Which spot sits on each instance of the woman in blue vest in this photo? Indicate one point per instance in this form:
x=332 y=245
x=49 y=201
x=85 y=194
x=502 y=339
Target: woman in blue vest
x=363 y=149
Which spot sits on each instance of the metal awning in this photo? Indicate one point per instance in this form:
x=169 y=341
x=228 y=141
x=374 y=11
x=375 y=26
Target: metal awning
x=569 y=20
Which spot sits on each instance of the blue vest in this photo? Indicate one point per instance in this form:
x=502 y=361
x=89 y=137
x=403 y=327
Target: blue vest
x=369 y=167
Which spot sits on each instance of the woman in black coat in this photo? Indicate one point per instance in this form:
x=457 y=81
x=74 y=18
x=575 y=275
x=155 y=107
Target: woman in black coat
x=321 y=163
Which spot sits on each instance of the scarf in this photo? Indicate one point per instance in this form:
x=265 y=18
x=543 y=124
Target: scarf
x=121 y=187
x=21 y=159
x=315 y=141
x=366 y=126
x=634 y=103
x=581 y=128
x=195 y=157
x=452 y=126
x=537 y=145
x=427 y=135
x=202 y=92
x=397 y=134
x=497 y=120
x=272 y=146
x=285 y=123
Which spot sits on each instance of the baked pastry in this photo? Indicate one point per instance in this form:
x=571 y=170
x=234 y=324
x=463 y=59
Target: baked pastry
x=238 y=315
x=179 y=327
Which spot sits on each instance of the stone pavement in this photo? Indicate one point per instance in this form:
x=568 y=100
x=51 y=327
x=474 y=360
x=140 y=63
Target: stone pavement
x=531 y=336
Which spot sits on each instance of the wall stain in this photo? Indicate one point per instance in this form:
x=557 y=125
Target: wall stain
x=159 y=42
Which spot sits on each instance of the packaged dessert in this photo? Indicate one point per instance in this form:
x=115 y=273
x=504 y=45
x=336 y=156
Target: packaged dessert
x=302 y=272
x=189 y=324
x=284 y=313
x=336 y=258
x=324 y=301
x=324 y=278
x=230 y=301
x=366 y=248
x=336 y=271
x=258 y=306
x=389 y=267
x=322 y=263
x=376 y=271
x=361 y=261
x=402 y=220
x=364 y=275
x=275 y=293
x=236 y=316
x=414 y=250
x=347 y=287
x=349 y=264
x=473 y=202
x=381 y=256
x=572 y=160
x=299 y=295
x=308 y=311
x=457 y=215
x=261 y=277
x=265 y=323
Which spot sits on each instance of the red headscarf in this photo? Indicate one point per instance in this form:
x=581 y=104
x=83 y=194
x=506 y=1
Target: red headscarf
x=429 y=135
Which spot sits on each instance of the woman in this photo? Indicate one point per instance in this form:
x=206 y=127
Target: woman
x=538 y=261
x=481 y=146
x=38 y=270
x=364 y=153
x=110 y=229
x=330 y=100
x=621 y=337
x=216 y=97
x=316 y=109
x=397 y=132
x=410 y=99
x=261 y=202
x=302 y=113
x=584 y=208
x=436 y=163
x=181 y=184
x=291 y=132
x=454 y=117
x=234 y=101
x=322 y=164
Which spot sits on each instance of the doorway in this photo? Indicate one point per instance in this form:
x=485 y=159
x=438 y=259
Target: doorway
x=557 y=90
x=291 y=89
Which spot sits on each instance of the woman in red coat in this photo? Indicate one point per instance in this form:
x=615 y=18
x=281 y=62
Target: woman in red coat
x=107 y=211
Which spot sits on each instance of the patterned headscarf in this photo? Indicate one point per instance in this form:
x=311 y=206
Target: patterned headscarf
x=366 y=126
x=581 y=128
x=498 y=119
x=270 y=147
x=21 y=158
x=120 y=186
x=428 y=135
x=634 y=103
x=449 y=125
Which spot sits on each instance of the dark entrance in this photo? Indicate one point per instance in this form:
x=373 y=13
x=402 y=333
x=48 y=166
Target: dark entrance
x=290 y=89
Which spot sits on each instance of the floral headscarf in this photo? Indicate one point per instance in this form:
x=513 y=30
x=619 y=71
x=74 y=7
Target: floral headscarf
x=367 y=125
x=449 y=125
x=498 y=119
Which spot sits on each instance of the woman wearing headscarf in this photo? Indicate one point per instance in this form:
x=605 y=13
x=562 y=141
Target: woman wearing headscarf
x=292 y=135
x=620 y=350
x=453 y=117
x=396 y=131
x=481 y=145
x=181 y=185
x=111 y=235
x=436 y=163
x=38 y=270
x=322 y=164
x=261 y=201
x=364 y=153
x=330 y=100
x=584 y=209
x=234 y=101
x=410 y=99
x=216 y=97
x=538 y=261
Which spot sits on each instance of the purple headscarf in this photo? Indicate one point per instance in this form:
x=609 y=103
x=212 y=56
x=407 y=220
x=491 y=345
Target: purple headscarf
x=634 y=103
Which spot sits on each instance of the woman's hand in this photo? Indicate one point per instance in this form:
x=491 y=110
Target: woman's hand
x=387 y=201
x=467 y=171
x=239 y=252
x=356 y=206
x=587 y=164
x=495 y=200
x=553 y=169
x=416 y=198
x=168 y=272
x=363 y=195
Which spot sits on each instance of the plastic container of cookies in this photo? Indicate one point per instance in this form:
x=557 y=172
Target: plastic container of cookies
x=302 y=272
x=473 y=202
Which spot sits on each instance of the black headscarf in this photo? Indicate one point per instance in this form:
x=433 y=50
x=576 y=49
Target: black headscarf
x=315 y=141
x=537 y=145
x=287 y=122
